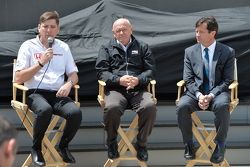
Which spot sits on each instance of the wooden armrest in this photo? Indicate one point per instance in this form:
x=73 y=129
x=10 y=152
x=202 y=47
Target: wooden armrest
x=76 y=87
x=25 y=89
x=151 y=89
x=20 y=87
x=100 y=96
x=102 y=83
x=153 y=82
x=181 y=83
x=234 y=95
x=233 y=85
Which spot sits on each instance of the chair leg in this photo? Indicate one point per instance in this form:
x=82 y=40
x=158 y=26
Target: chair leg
x=28 y=161
x=54 y=140
x=206 y=140
x=142 y=164
x=190 y=163
x=125 y=146
x=51 y=156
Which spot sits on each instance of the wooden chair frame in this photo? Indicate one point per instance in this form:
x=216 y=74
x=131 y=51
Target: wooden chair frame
x=52 y=137
x=125 y=147
x=205 y=135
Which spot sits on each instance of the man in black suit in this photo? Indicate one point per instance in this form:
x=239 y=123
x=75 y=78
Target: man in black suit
x=208 y=71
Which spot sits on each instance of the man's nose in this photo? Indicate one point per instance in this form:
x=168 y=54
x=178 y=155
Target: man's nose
x=49 y=29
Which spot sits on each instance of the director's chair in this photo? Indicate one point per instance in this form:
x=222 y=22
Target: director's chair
x=52 y=135
x=125 y=147
x=205 y=132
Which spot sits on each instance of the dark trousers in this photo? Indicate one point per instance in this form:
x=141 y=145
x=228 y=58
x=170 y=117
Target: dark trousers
x=219 y=105
x=44 y=104
x=115 y=105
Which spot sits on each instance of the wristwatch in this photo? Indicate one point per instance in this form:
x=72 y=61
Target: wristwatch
x=40 y=64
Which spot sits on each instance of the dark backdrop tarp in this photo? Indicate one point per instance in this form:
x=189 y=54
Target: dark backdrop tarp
x=167 y=33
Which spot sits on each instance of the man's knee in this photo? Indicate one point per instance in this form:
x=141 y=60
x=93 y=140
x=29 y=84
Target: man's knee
x=76 y=114
x=113 y=108
x=148 y=110
x=182 y=106
x=221 y=106
x=46 y=111
x=112 y=112
x=150 y=107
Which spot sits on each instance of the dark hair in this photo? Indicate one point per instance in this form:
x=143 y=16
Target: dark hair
x=7 y=131
x=212 y=24
x=48 y=16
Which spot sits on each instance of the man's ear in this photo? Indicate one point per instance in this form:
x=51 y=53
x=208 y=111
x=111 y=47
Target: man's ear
x=10 y=148
x=38 y=28
x=213 y=33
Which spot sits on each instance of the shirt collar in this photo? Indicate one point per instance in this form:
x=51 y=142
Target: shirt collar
x=39 y=42
x=211 y=48
x=124 y=47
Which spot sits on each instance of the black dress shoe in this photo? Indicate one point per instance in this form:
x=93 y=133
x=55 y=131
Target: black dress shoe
x=142 y=152
x=37 y=157
x=189 y=151
x=218 y=154
x=113 y=150
x=66 y=155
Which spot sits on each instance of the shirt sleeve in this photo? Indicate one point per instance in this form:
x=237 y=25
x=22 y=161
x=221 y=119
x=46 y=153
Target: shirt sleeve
x=70 y=62
x=23 y=57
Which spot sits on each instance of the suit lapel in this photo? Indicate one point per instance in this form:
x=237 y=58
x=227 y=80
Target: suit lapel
x=217 y=54
x=199 y=60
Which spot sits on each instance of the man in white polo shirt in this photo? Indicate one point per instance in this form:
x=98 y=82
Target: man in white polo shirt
x=42 y=63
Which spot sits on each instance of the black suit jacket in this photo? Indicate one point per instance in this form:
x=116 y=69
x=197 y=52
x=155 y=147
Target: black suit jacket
x=222 y=69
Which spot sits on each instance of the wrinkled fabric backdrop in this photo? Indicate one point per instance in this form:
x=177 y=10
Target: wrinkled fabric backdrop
x=167 y=33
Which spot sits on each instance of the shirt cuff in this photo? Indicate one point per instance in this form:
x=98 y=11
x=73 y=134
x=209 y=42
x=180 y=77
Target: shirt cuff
x=197 y=94
x=212 y=94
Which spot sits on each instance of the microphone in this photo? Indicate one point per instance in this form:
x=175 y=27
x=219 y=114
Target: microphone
x=50 y=41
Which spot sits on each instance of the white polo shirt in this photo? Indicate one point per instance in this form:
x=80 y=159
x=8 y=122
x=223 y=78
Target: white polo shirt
x=62 y=62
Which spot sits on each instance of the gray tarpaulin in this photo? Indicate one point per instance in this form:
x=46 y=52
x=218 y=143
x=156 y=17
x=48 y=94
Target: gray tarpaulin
x=168 y=34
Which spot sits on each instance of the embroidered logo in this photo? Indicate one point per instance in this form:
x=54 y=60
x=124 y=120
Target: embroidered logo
x=134 y=52
x=57 y=54
x=38 y=56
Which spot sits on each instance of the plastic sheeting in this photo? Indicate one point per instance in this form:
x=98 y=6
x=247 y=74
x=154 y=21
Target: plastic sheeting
x=168 y=34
